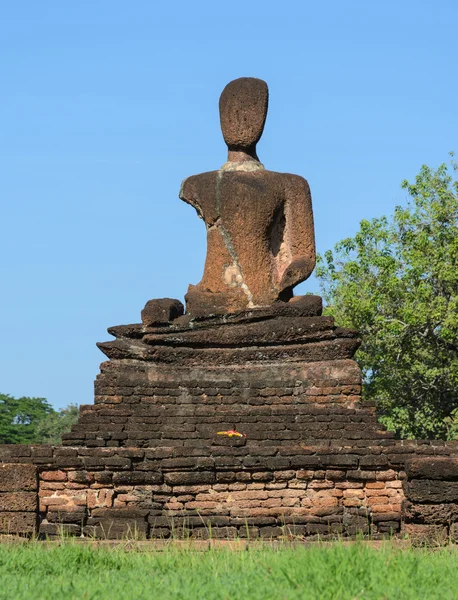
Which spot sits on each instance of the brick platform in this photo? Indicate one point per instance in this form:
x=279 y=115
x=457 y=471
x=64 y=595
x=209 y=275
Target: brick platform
x=142 y=404
x=146 y=459
x=236 y=489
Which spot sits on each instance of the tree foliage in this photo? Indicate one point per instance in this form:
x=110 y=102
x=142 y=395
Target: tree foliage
x=33 y=420
x=50 y=429
x=19 y=418
x=397 y=282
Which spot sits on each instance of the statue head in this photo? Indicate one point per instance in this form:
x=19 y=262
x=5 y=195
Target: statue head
x=243 y=110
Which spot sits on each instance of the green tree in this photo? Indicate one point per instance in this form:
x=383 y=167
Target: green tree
x=396 y=281
x=19 y=418
x=50 y=429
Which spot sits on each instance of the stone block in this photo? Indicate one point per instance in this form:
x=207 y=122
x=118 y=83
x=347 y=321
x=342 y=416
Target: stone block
x=429 y=535
x=189 y=477
x=14 y=451
x=268 y=532
x=305 y=461
x=431 y=491
x=18 y=478
x=97 y=498
x=206 y=533
x=135 y=513
x=432 y=467
x=249 y=533
x=431 y=514
x=18 y=523
x=56 y=475
x=138 y=478
x=60 y=529
x=375 y=460
x=388 y=527
x=18 y=501
x=127 y=529
x=83 y=477
x=358 y=475
x=161 y=311
x=76 y=516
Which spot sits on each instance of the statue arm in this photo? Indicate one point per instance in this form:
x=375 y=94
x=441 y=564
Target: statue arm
x=300 y=233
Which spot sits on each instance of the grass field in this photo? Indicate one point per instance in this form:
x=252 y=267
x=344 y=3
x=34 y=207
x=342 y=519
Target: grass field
x=338 y=571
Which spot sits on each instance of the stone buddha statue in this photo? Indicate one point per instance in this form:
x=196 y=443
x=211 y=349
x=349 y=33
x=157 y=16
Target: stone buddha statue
x=260 y=234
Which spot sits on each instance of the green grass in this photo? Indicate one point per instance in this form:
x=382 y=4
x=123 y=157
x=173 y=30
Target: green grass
x=336 y=572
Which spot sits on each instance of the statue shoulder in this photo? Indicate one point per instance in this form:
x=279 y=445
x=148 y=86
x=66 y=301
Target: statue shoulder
x=291 y=183
x=296 y=180
x=191 y=186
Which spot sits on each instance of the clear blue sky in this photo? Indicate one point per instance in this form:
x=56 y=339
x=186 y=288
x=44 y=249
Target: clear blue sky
x=105 y=106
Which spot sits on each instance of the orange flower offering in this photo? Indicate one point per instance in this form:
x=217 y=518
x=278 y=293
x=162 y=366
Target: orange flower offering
x=232 y=433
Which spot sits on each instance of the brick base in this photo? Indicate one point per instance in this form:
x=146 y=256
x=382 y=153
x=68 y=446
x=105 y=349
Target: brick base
x=296 y=491
x=148 y=458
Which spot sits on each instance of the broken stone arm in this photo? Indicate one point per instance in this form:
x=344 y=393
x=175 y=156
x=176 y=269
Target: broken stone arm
x=188 y=194
x=299 y=233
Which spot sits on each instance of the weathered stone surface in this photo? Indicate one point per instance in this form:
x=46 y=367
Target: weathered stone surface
x=283 y=330
x=18 y=477
x=160 y=311
x=260 y=236
x=16 y=451
x=259 y=247
x=137 y=478
x=180 y=406
x=299 y=306
x=333 y=349
x=56 y=475
x=59 y=529
x=116 y=529
x=118 y=513
x=18 y=501
x=388 y=527
x=18 y=522
x=134 y=331
x=243 y=110
x=189 y=477
x=432 y=491
x=258 y=485
x=76 y=516
x=433 y=467
x=426 y=534
x=431 y=513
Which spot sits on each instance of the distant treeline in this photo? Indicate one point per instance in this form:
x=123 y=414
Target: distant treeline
x=33 y=420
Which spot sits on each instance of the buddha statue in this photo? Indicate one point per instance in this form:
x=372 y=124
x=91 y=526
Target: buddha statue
x=260 y=234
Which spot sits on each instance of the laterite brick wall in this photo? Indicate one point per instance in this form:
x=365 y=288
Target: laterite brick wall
x=233 y=490
x=143 y=404
x=147 y=460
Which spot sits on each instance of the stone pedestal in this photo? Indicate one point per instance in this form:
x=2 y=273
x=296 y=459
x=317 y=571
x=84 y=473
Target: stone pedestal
x=139 y=404
x=274 y=376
